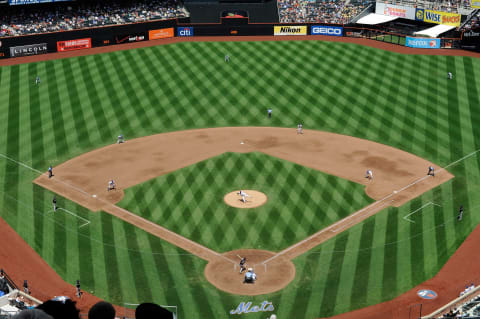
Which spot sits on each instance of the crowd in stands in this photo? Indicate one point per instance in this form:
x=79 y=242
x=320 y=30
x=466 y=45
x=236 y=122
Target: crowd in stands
x=22 y=20
x=437 y=5
x=474 y=23
x=333 y=11
x=66 y=309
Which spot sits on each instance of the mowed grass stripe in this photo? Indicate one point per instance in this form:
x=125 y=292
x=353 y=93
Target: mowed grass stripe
x=82 y=133
x=95 y=102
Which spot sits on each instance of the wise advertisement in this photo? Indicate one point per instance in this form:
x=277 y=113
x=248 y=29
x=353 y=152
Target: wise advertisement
x=71 y=45
x=290 y=30
x=160 y=34
x=422 y=43
x=438 y=17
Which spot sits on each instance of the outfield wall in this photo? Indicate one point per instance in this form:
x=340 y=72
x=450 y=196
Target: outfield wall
x=95 y=37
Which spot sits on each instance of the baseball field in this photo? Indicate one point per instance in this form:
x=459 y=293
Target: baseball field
x=82 y=104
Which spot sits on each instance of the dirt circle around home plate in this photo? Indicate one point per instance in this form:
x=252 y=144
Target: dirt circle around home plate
x=254 y=199
x=274 y=272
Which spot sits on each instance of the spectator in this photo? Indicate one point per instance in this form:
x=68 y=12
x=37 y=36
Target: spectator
x=60 y=310
x=101 y=310
x=32 y=314
x=63 y=17
x=151 y=310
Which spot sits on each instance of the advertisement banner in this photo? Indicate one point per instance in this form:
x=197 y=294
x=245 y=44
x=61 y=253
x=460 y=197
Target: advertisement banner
x=22 y=2
x=395 y=11
x=327 y=30
x=160 y=34
x=423 y=43
x=290 y=30
x=71 y=45
x=185 y=31
x=472 y=33
x=475 y=3
x=26 y=50
x=130 y=38
x=439 y=17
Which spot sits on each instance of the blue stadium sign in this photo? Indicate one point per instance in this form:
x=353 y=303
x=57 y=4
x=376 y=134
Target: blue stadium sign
x=327 y=30
x=185 y=31
x=22 y=2
x=422 y=43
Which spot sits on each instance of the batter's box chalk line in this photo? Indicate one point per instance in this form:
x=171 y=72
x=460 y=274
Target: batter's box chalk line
x=417 y=210
x=73 y=214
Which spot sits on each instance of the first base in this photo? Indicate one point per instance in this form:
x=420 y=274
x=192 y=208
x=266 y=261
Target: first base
x=94 y=195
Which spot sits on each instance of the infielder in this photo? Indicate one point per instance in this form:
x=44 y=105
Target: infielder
x=244 y=196
x=431 y=171
x=369 y=174
x=111 y=185
x=299 y=129
x=269 y=113
x=120 y=139
x=227 y=58
x=50 y=172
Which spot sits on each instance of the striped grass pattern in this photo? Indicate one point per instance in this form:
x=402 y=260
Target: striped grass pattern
x=301 y=201
x=401 y=100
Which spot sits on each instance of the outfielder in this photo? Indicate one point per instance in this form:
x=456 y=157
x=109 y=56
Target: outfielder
x=369 y=174
x=120 y=139
x=269 y=113
x=37 y=80
x=227 y=58
x=449 y=75
x=54 y=202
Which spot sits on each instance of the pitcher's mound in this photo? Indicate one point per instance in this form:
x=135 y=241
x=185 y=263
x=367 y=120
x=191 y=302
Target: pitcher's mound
x=224 y=272
x=254 y=199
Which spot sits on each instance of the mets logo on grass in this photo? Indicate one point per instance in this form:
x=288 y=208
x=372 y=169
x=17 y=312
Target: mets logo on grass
x=427 y=294
x=246 y=307
x=290 y=30
x=185 y=31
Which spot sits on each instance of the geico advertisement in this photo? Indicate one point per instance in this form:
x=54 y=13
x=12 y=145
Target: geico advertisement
x=440 y=17
x=327 y=30
x=290 y=30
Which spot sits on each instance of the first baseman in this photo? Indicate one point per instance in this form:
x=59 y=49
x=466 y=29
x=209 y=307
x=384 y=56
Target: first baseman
x=369 y=174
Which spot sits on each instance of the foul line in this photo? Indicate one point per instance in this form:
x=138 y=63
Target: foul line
x=367 y=207
x=115 y=206
x=416 y=210
x=73 y=214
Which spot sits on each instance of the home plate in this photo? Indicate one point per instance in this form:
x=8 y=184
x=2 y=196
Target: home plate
x=94 y=195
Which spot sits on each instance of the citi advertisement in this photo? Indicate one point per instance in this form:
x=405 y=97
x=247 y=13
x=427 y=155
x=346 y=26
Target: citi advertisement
x=290 y=30
x=438 y=17
x=27 y=50
x=185 y=31
x=160 y=34
x=395 y=11
x=423 y=43
x=327 y=30
x=71 y=45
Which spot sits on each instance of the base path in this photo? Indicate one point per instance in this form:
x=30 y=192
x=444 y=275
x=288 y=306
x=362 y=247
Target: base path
x=399 y=177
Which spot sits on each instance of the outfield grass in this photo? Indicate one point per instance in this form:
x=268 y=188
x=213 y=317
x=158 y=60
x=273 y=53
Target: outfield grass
x=83 y=103
x=301 y=201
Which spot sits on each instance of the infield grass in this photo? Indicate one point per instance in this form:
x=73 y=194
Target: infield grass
x=301 y=201
x=401 y=100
